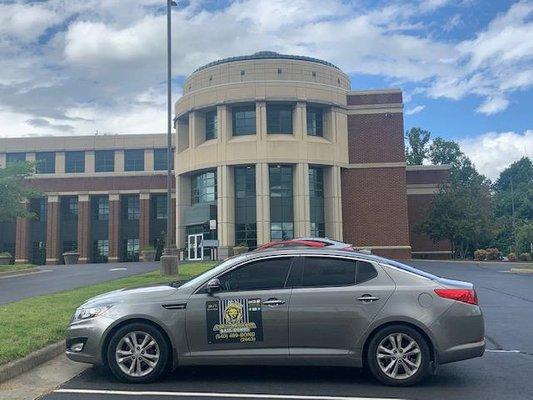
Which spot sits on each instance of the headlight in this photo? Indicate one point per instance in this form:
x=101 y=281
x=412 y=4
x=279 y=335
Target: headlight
x=84 y=313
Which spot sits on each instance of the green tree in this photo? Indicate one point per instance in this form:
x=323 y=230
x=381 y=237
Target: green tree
x=463 y=215
x=445 y=152
x=13 y=192
x=514 y=187
x=524 y=236
x=417 y=145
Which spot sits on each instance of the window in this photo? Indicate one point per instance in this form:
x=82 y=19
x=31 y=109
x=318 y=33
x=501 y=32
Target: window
x=315 y=121
x=131 y=208
x=259 y=275
x=204 y=187
x=320 y=271
x=70 y=245
x=279 y=118
x=13 y=158
x=160 y=206
x=244 y=121
x=281 y=202
x=45 y=162
x=134 y=160
x=365 y=272
x=316 y=201
x=211 y=123
x=160 y=160
x=101 y=208
x=69 y=208
x=131 y=248
x=74 y=161
x=104 y=161
x=245 y=207
x=101 y=250
x=41 y=209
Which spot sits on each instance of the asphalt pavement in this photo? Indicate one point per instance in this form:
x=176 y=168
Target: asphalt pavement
x=504 y=372
x=52 y=279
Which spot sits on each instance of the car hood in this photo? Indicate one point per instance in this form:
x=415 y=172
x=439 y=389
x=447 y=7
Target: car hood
x=137 y=294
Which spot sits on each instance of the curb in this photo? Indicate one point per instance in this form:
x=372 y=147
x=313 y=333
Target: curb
x=32 y=360
x=6 y=274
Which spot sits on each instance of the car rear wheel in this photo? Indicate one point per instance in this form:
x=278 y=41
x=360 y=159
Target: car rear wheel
x=137 y=353
x=398 y=355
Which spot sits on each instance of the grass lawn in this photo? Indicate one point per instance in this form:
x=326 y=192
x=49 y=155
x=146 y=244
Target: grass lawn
x=15 y=267
x=30 y=324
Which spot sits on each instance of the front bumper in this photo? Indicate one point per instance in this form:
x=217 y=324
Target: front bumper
x=92 y=333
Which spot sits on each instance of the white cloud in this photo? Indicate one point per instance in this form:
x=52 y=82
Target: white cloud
x=24 y=22
x=414 y=110
x=492 y=152
x=493 y=105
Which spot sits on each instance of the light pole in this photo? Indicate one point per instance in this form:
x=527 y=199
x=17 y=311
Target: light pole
x=169 y=260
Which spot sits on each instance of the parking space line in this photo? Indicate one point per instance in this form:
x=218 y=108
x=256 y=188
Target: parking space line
x=502 y=351
x=217 y=395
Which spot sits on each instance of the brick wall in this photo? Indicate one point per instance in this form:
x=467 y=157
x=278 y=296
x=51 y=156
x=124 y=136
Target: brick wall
x=374 y=204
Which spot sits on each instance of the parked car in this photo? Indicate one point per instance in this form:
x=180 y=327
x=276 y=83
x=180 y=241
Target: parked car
x=329 y=243
x=289 y=307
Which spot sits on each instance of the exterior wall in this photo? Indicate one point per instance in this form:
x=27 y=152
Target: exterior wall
x=374 y=199
x=422 y=184
x=83 y=186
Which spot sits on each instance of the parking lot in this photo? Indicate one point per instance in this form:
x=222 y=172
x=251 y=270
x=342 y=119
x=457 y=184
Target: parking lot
x=504 y=372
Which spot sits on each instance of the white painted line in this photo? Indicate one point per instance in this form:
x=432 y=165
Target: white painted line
x=218 y=395
x=502 y=351
x=118 y=269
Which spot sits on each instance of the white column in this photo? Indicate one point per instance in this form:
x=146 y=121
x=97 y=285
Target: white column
x=262 y=188
x=224 y=124
x=300 y=120
x=148 y=159
x=89 y=161
x=2 y=160
x=302 y=216
x=119 y=160
x=225 y=211
x=333 y=202
x=60 y=162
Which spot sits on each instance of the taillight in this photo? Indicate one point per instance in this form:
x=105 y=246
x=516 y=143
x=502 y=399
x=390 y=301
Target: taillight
x=465 y=295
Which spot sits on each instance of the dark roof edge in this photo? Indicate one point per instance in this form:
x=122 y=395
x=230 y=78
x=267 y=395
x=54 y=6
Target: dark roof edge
x=266 y=55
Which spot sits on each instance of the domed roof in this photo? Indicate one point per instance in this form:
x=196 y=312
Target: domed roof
x=266 y=55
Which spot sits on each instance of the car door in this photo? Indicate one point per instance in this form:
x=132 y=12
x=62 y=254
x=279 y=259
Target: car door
x=333 y=304
x=247 y=318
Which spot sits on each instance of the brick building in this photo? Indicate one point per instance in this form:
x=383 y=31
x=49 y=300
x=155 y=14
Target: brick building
x=268 y=147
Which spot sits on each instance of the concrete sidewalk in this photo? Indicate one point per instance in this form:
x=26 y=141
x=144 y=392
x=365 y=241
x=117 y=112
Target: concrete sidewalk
x=41 y=380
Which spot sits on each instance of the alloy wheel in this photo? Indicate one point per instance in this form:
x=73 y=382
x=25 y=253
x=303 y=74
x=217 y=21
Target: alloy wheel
x=137 y=354
x=399 y=356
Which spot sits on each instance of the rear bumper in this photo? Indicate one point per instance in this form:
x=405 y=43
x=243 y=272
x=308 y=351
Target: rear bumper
x=462 y=352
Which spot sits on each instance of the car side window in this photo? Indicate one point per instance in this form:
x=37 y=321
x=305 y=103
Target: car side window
x=257 y=275
x=365 y=272
x=328 y=271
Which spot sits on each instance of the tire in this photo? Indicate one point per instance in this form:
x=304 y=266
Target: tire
x=383 y=352
x=148 y=362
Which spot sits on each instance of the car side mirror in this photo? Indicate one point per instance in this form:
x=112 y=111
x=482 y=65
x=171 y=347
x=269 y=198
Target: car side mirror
x=213 y=286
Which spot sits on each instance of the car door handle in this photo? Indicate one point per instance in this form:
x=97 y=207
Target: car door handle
x=273 y=302
x=367 y=298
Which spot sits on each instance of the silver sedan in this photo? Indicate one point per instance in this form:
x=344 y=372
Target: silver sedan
x=285 y=307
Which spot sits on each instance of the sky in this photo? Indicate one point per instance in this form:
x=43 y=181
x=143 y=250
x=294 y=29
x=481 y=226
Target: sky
x=79 y=67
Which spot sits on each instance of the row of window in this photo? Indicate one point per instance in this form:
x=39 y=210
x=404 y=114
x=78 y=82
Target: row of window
x=104 y=160
x=100 y=208
x=204 y=190
x=279 y=273
x=279 y=120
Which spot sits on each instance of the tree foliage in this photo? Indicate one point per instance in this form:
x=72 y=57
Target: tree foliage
x=13 y=192
x=417 y=145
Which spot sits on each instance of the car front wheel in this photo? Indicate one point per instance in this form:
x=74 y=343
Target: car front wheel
x=137 y=353
x=398 y=355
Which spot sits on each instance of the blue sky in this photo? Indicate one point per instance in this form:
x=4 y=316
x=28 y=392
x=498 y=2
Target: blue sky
x=465 y=66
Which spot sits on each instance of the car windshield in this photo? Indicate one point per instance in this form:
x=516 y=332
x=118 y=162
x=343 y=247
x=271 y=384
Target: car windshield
x=211 y=272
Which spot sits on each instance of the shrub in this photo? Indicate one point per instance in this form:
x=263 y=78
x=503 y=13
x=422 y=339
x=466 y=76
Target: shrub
x=511 y=256
x=480 y=255
x=493 y=254
x=524 y=257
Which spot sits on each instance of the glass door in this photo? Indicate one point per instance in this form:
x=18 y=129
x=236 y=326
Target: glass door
x=195 y=246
